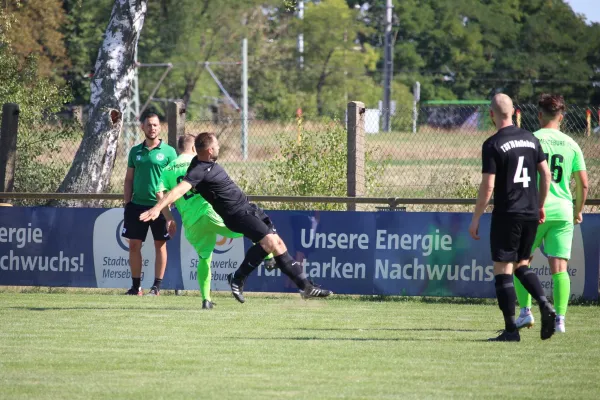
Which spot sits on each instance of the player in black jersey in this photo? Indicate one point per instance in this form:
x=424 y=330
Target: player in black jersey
x=510 y=159
x=210 y=180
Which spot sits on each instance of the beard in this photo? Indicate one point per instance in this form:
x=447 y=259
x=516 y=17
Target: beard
x=151 y=136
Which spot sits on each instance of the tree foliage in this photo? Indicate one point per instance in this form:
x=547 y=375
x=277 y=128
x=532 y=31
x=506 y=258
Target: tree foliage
x=40 y=134
x=460 y=49
x=36 y=30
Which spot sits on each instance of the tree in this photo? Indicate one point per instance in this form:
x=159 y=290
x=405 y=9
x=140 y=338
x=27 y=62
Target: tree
x=332 y=57
x=83 y=32
x=38 y=98
x=110 y=92
x=188 y=33
x=37 y=30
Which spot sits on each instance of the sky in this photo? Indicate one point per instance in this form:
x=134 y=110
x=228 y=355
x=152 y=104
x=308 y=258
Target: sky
x=590 y=8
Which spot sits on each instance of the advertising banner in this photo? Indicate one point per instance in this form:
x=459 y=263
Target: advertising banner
x=387 y=253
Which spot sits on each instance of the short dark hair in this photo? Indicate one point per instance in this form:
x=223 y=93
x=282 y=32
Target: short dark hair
x=148 y=114
x=204 y=140
x=184 y=141
x=551 y=104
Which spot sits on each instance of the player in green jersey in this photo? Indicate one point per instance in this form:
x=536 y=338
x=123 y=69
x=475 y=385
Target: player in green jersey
x=202 y=224
x=556 y=233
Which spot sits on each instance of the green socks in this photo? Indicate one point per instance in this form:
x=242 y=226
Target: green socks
x=204 y=277
x=562 y=292
x=523 y=296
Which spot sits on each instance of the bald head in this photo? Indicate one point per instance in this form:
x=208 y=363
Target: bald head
x=502 y=106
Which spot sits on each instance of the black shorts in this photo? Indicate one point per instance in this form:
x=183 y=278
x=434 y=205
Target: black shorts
x=251 y=221
x=133 y=228
x=511 y=238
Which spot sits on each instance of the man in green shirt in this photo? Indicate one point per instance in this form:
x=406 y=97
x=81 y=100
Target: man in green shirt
x=144 y=167
x=202 y=224
x=556 y=233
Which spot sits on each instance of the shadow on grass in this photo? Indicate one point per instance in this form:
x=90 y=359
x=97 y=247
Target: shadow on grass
x=391 y=329
x=98 y=308
x=356 y=339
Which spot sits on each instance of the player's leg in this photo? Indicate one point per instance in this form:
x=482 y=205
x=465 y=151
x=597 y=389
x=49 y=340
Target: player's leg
x=526 y=319
x=134 y=230
x=504 y=243
x=202 y=237
x=256 y=226
x=291 y=267
x=530 y=280
x=219 y=227
x=160 y=235
x=248 y=223
x=505 y=294
x=558 y=249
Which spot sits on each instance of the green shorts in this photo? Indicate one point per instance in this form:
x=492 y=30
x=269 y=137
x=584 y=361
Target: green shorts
x=202 y=235
x=557 y=237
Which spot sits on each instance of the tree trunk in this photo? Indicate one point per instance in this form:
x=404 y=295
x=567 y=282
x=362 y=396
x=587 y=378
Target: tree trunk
x=111 y=91
x=321 y=83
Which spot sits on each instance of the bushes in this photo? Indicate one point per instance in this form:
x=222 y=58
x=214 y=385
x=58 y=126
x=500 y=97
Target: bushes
x=313 y=166
x=40 y=133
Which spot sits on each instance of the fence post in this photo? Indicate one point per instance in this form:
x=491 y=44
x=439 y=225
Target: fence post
x=356 y=151
x=175 y=121
x=8 y=146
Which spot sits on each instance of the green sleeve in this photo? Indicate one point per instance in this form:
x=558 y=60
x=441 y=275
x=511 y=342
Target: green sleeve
x=173 y=155
x=161 y=187
x=130 y=163
x=578 y=161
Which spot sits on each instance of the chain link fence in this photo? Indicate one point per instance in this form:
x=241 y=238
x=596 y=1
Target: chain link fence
x=430 y=152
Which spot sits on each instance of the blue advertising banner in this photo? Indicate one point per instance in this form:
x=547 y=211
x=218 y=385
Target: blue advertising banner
x=388 y=253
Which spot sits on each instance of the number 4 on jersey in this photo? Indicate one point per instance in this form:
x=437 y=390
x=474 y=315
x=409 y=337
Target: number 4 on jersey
x=521 y=175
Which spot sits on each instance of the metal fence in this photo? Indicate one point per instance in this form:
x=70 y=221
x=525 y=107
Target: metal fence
x=431 y=152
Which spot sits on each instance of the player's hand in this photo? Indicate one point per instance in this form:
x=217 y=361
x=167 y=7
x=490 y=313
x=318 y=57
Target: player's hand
x=171 y=227
x=578 y=219
x=542 y=215
x=150 y=215
x=474 y=229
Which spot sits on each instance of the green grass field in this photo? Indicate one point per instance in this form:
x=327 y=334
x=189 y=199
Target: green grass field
x=99 y=346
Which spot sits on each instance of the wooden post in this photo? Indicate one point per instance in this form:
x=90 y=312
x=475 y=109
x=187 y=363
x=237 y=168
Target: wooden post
x=356 y=151
x=518 y=118
x=8 y=146
x=176 y=121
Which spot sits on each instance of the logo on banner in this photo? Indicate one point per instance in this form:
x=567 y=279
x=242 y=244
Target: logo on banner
x=224 y=245
x=121 y=240
x=111 y=251
x=227 y=256
x=575 y=268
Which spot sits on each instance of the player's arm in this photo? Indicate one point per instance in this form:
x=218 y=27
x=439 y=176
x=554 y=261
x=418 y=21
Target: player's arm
x=581 y=190
x=486 y=188
x=166 y=211
x=171 y=224
x=128 y=185
x=182 y=188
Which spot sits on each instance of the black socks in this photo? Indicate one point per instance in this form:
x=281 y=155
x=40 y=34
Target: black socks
x=531 y=283
x=507 y=298
x=254 y=257
x=157 y=283
x=136 y=283
x=292 y=269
